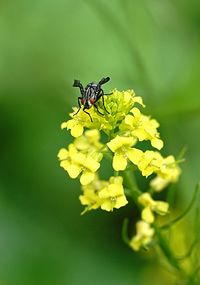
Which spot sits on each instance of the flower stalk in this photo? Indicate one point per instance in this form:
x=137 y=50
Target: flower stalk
x=130 y=183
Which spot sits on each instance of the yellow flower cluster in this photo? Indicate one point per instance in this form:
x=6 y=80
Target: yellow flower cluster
x=144 y=235
x=123 y=152
x=168 y=173
x=125 y=127
x=77 y=124
x=151 y=206
x=118 y=105
x=148 y=162
x=104 y=194
x=82 y=157
x=144 y=231
x=142 y=128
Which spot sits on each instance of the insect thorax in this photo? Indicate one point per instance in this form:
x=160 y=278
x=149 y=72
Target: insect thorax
x=91 y=91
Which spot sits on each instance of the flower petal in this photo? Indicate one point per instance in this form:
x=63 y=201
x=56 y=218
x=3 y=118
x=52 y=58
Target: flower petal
x=136 y=243
x=73 y=170
x=119 y=162
x=63 y=154
x=93 y=135
x=65 y=164
x=157 y=143
x=146 y=200
x=116 y=179
x=64 y=125
x=140 y=133
x=87 y=177
x=115 y=189
x=107 y=205
x=120 y=202
x=139 y=100
x=158 y=183
x=147 y=215
x=104 y=193
x=77 y=130
x=161 y=208
x=136 y=112
x=129 y=120
x=69 y=124
x=91 y=164
x=119 y=142
x=134 y=155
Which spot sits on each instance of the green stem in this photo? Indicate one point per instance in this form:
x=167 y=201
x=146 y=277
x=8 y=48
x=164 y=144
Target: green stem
x=116 y=173
x=132 y=185
x=182 y=153
x=125 y=232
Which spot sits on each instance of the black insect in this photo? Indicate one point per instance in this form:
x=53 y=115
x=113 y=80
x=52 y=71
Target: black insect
x=90 y=95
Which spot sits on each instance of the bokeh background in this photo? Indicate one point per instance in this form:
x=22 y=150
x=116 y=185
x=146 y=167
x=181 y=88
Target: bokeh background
x=149 y=45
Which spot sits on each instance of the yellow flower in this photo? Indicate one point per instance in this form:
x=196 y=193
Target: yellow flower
x=142 y=127
x=150 y=162
x=169 y=169
x=78 y=122
x=90 y=197
x=158 y=183
x=118 y=104
x=144 y=235
x=104 y=194
x=89 y=142
x=112 y=195
x=76 y=162
x=121 y=147
x=151 y=206
x=168 y=172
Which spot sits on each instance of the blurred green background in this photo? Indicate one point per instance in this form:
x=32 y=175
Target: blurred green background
x=149 y=45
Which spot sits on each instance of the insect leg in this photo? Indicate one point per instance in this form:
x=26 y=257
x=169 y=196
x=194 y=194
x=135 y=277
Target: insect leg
x=78 y=84
x=98 y=110
x=102 y=95
x=108 y=93
x=79 y=104
x=88 y=114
